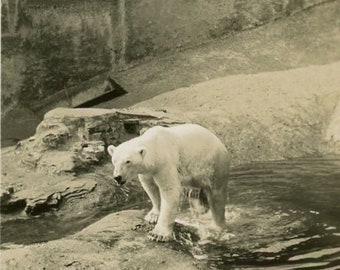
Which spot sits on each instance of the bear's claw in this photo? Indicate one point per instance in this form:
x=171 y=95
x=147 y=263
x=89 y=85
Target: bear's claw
x=160 y=238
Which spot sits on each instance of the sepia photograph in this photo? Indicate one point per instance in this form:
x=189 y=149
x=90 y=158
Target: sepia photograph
x=170 y=134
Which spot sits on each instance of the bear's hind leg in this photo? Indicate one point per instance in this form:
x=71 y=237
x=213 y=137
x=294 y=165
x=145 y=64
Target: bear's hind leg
x=152 y=190
x=198 y=201
x=216 y=199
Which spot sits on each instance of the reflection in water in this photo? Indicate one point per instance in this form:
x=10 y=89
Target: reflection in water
x=281 y=215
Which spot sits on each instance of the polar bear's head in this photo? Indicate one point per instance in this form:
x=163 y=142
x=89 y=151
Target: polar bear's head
x=127 y=161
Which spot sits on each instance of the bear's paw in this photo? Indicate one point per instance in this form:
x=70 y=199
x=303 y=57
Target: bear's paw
x=160 y=235
x=152 y=216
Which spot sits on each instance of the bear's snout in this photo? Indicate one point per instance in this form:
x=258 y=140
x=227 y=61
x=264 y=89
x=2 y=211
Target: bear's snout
x=119 y=180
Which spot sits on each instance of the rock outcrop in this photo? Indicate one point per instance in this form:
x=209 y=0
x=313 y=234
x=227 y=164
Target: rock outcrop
x=72 y=140
x=41 y=200
x=68 y=145
x=108 y=244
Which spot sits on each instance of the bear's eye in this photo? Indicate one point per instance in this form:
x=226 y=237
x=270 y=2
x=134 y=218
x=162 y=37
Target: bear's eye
x=128 y=161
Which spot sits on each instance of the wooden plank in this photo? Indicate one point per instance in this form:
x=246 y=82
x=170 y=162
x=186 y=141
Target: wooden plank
x=86 y=94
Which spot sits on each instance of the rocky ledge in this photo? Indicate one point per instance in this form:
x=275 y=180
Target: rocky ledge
x=59 y=162
x=108 y=244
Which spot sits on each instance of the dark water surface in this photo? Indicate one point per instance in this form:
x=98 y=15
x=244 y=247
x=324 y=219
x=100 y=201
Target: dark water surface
x=286 y=216
x=281 y=215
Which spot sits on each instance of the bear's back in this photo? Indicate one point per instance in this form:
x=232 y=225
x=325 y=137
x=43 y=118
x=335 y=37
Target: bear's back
x=185 y=135
x=200 y=152
x=188 y=140
x=196 y=136
x=194 y=150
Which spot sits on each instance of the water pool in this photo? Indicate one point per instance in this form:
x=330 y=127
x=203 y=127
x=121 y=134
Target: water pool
x=280 y=215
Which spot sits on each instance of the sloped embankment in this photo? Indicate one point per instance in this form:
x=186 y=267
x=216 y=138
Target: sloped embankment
x=266 y=116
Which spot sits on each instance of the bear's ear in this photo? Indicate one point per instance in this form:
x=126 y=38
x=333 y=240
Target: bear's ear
x=142 y=151
x=111 y=149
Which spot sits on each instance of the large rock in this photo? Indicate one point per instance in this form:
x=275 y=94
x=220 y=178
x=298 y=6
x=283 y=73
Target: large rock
x=108 y=244
x=71 y=140
x=35 y=192
x=41 y=200
x=55 y=165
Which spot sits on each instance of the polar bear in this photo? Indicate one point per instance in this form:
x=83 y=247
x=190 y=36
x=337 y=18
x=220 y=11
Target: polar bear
x=167 y=159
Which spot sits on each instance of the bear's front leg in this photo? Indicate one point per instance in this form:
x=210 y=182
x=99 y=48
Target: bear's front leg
x=152 y=190
x=170 y=195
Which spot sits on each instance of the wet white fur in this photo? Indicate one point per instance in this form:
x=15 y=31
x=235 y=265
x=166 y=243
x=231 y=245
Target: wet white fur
x=166 y=159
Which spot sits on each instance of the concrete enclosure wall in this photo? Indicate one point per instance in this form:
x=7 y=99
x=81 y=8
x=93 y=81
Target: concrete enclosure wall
x=51 y=45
